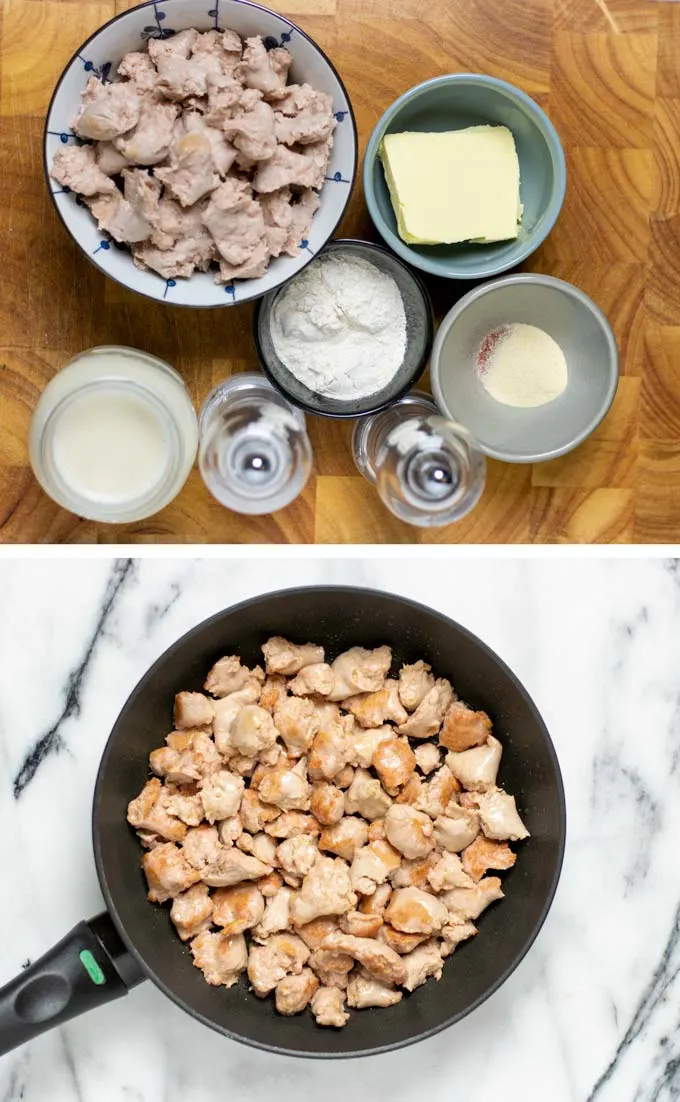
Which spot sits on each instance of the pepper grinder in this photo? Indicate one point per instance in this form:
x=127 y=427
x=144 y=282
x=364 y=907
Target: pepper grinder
x=254 y=453
x=428 y=471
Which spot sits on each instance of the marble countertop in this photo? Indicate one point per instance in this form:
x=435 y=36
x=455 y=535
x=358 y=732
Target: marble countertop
x=591 y=1014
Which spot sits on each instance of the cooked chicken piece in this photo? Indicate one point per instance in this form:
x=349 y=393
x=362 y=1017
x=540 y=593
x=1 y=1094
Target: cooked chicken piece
x=372 y=864
x=209 y=51
x=253 y=730
x=375 y=904
x=462 y=728
x=344 y=837
x=274 y=692
x=394 y=762
x=416 y=912
x=232 y=867
x=294 y=993
x=455 y=830
x=435 y=795
x=228 y=675
x=297 y=723
x=220 y=958
x=109 y=160
x=319 y=154
x=173 y=222
x=191 y=911
x=224 y=95
x=467 y=903
x=331 y=749
x=328 y=1007
x=180 y=44
x=181 y=78
x=221 y=794
x=259 y=70
x=149 y=811
x=226 y=710
x=326 y=890
x=376 y=957
x=143 y=193
x=314 y=680
x=447 y=873
x=231 y=830
x=366 y=796
x=286 y=786
x=242 y=764
x=237 y=909
x=327 y=803
x=302 y=212
x=332 y=968
x=276 y=916
x=187 y=808
x=400 y=942
x=139 y=68
x=364 y=990
x=181 y=740
x=107 y=110
x=360 y=671
x=290 y=823
x=278 y=217
x=190 y=173
x=282 y=657
x=297 y=855
x=314 y=933
x=270 y=885
x=414 y=873
x=304 y=115
x=423 y=962
x=148 y=839
x=359 y=924
x=255 y=266
x=284 y=168
x=415 y=683
x=260 y=845
x=251 y=128
x=255 y=814
x=150 y=141
x=115 y=216
x=201 y=846
x=499 y=816
x=483 y=855
x=376 y=831
x=410 y=831
x=193 y=710
x=374 y=709
x=223 y=152
x=178 y=262
x=477 y=768
x=427 y=718
x=281 y=955
x=344 y=778
x=427 y=757
x=76 y=167
x=410 y=793
x=453 y=933
x=197 y=758
x=235 y=221
x=167 y=872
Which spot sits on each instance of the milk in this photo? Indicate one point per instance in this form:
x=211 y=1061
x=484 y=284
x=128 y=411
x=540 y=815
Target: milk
x=114 y=435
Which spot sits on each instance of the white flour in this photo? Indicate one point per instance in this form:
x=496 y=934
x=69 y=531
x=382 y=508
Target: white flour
x=340 y=327
x=522 y=366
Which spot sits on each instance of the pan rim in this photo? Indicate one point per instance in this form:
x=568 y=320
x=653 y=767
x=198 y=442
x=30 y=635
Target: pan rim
x=148 y=973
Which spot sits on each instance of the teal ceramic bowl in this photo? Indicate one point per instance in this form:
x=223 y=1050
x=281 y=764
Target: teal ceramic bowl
x=452 y=103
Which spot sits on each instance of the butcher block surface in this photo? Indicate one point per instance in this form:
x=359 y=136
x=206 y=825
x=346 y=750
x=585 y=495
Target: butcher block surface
x=608 y=74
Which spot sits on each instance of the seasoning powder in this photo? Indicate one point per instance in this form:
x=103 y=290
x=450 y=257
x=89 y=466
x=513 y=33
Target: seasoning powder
x=521 y=365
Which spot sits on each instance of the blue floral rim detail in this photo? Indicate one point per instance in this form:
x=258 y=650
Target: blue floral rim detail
x=337 y=178
x=169 y=283
x=230 y=289
x=90 y=67
x=157 y=31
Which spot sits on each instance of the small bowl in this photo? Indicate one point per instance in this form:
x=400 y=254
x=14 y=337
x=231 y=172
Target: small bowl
x=419 y=334
x=455 y=102
x=100 y=55
x=584 y=335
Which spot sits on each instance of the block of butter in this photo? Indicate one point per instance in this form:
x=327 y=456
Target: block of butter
x=459 y=185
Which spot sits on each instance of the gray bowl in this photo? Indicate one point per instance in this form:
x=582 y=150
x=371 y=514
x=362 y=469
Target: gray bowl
x=419 y=334
x=584 y=335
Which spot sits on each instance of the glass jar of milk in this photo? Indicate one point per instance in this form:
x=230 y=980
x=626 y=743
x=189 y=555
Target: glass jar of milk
x=114 y=435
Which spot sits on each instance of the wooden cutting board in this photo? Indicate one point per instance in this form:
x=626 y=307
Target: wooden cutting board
x=608 y=74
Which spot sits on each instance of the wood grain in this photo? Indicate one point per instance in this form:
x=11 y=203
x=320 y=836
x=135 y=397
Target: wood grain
x=606 y=71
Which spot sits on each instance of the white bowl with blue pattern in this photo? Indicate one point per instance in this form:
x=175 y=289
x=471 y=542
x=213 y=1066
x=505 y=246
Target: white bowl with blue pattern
x=160 y=19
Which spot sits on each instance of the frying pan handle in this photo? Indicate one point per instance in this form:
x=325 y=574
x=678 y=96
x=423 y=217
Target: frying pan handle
x=87 y=968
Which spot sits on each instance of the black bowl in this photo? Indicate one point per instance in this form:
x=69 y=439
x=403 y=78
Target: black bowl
x=338 y=617
x=419 y=337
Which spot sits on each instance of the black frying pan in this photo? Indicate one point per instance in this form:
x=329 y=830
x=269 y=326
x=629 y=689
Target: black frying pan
x=101 y=959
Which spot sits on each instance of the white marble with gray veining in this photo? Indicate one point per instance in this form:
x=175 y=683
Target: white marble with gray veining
x=591 y=1015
